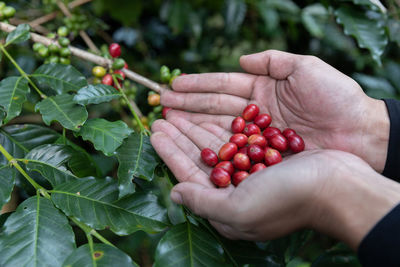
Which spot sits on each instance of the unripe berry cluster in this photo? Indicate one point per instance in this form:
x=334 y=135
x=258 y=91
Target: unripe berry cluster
x=252 y=147
x=6 y=12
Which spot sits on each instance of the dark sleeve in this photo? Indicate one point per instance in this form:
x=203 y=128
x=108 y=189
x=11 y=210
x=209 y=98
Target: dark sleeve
x=381 y=246
x=392 y=166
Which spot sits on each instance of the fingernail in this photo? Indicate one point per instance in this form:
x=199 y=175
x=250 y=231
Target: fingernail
x=176 y=197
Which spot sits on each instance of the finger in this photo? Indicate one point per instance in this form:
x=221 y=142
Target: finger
x=238 y=84
x=184 y=143
x=199 y=136
x=277 y=64
x=219 y=132
x=179 y=163
x=208 y=103
x=223 y=121
x=209 y=203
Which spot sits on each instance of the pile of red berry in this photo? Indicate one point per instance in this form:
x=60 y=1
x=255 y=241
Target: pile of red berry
x=252 y=147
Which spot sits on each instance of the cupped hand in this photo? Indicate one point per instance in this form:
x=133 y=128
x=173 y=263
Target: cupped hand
x=272 y=202
x=327 y=108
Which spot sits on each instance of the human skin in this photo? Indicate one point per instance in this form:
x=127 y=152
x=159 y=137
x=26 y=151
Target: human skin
x=318 y=189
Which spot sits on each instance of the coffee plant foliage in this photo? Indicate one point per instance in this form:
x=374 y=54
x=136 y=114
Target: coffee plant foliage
x=86 y=186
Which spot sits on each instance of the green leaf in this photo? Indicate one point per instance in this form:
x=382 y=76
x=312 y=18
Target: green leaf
x=19 y=35
x=61 y=108
x=7 y=181
x=36 y=234
x=3 y=114
x=50 y=161
x=376 y=87
x=96 y=94
x=368 y=30
x=102 y=255
x=13 y=91
x=287 y=6
x=188 y=245
x=61 y=78
x=234 y=13
x=339 y=256
x=106 y=136
x=314 y=18
x=394 y=30
x=20 y=139
x=95 y=203
x=137 y=158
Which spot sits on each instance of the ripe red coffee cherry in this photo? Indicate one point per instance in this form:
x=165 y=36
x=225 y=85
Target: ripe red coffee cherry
x=263 y=120
x=227 y=151
x=107 y=79
x=239 y=139
x=279 y=142
x=220 y=177
x=227 y=166
x=243 y=150
x=241 y=162
x=271 y=131
x=209 y=157
x=256 y=153
x=288 y=132
x=115 y=50
x=257 y=167
x=272 y=156
x=238 y=125
x=238 y=177
x=257 y=139
x=165 y=111
x=250 y=112
x=251 y=129
x=296 y=143
x=121 y=73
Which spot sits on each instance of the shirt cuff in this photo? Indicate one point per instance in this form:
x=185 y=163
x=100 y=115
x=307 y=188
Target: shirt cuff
x=380 y=247
x=392 y=166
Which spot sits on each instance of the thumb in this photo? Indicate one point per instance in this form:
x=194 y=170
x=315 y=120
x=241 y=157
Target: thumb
x=209 y=203
x=277 y=64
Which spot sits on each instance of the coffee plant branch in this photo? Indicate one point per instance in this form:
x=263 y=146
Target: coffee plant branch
x=82 y=33
x=101 y=61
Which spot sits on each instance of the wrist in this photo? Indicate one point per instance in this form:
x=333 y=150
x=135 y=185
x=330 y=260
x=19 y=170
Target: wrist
x=352 y=202
x=374 y=134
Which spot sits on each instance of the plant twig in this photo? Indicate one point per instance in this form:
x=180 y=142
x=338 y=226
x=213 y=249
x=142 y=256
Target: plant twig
x=64 y=9
x=92 y=58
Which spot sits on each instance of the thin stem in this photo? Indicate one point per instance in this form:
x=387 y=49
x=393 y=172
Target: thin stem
x=90 y=241
x=19 y=168
x=141 y=126
x=23 y=73
x=89 y=230
x=64 y=137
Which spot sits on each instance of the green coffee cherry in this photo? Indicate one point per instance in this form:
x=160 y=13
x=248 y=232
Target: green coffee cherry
x=54 y=59
x=63 y=41
x=37 y=46
x=62 y=31
x=65 y=52
x=51 y=35
x=2 y=5
x=165 y=74
x=96 y=80
x=53 y=48
x=158 y=109
x=8 y=11
x=176 y=72
x=65 y=61
x=118 y=64
x=99 y=71
x=43 y=52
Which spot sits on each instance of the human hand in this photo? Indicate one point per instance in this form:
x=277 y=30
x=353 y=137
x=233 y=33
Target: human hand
x=330 y=191
x=327 y=108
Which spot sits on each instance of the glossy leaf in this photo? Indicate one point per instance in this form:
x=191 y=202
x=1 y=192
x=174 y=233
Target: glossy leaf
x=235 y=12
x=50 y=161
x=61 y=108
x=102 y=255
x=314 y=17
x=60 y=77
x=287 y=6
x=96 y=94
x=137 y=158
x=19 y=139
x=376 y=87
x=3 y=114
x=338 y=256
x=19 y=35
x=369 y=31
x=36 y=234
x=95 y=203
x=106 y=136
x=13 y=91
x=7 y=181
x=188 y=245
